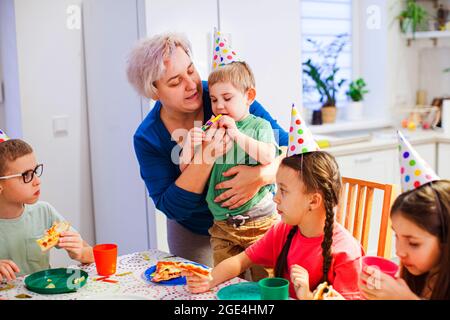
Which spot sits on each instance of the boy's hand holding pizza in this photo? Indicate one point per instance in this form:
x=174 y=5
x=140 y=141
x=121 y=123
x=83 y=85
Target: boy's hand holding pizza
x=71 y=242
x=61 y=235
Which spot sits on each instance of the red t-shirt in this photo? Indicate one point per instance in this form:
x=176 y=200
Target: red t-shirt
x=307 y=252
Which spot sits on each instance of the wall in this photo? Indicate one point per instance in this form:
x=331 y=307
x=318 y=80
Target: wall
x=51 y=83
x=267 y=35
x=10 y=113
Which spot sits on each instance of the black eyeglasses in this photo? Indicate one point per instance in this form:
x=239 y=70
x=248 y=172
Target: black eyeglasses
x=28 y=175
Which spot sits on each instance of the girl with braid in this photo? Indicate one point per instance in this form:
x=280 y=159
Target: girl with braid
x=307 y=246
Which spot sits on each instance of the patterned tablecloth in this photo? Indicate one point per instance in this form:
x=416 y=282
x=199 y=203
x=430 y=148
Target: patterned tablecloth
x=132 y=285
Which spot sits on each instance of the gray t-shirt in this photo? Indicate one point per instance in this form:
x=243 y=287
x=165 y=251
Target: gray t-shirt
x=18 y=237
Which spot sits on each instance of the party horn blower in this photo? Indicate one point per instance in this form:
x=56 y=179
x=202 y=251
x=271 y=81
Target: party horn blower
x=209 y=123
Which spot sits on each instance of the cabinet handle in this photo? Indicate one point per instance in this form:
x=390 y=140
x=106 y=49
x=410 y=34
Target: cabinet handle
x=364 y=160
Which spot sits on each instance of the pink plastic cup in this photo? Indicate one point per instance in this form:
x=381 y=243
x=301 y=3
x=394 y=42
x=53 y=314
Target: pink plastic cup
x=384 y=265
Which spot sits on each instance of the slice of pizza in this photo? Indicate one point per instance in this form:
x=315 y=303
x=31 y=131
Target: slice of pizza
x=51 y=236
x=194 y=268
x=326 y=292
x=166 y=270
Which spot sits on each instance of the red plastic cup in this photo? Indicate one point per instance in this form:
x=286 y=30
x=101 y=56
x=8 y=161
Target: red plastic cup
x=105 y=256
x=384 y=265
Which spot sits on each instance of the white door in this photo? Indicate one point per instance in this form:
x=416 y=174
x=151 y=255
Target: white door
x=111 y=28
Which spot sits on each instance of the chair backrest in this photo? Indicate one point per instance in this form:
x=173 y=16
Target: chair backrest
x=357 y=200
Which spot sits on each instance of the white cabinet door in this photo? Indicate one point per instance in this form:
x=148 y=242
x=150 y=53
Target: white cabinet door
x=378 y=167
x=444 y=161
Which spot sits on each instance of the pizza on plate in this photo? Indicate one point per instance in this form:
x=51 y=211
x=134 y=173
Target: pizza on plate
x=51 y=236
x=167 y=270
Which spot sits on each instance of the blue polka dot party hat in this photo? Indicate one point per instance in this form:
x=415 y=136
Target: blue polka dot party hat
x=414 y=170
x=222 y=52
x=3 y=136
x=300 y=137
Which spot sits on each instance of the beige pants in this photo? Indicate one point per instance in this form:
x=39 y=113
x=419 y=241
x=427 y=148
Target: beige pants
x=227 y=241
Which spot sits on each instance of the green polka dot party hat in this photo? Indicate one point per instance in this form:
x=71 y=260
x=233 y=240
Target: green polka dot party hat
x=223 y=53
x=414 y=170
x=3 y=136
x=300 y=137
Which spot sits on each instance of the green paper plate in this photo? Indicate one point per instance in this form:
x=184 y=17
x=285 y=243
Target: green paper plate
x=64 y=281
x=240 y=291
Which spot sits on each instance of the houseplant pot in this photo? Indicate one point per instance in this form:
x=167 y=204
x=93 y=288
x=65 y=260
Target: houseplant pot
x=329 y=114
x=356 y=91
x=355 y=111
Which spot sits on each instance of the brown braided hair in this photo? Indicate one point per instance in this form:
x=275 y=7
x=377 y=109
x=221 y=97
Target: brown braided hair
x=428 y=207
x=319 y=172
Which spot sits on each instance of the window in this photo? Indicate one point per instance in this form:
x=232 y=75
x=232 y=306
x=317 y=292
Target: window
x=322 y=21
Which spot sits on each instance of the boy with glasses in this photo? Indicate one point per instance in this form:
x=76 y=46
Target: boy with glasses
x=24 y=219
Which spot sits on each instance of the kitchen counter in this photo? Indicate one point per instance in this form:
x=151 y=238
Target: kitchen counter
x=387 y=139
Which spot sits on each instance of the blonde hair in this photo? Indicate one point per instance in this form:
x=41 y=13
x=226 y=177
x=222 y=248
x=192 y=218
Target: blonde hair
x=145 y=63
x=237 y=73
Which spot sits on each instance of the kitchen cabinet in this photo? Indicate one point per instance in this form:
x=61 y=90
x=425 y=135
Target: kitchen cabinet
x=376 y=166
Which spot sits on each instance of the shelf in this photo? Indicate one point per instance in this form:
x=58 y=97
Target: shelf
x=432 y=35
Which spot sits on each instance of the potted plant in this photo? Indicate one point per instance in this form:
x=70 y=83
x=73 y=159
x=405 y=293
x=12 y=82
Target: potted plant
x=322 y=77
x=356 y=91
x=412 y=18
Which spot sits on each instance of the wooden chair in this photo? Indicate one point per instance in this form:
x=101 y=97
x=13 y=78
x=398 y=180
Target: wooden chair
x=357 y=197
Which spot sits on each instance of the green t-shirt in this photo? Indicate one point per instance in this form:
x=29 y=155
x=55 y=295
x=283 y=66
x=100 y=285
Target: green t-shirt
x=258 y=129
x=18 y=237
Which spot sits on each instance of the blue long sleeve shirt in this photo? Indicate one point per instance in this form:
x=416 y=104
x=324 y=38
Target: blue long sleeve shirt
x=154 y=148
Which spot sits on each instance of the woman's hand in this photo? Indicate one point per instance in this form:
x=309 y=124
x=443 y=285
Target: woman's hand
x=246 y=183
x=376 y=285
x=8 y=270
x=241 y=188
x=197 y=283
x=73 y=243
x=300 y=280
x=194 y=137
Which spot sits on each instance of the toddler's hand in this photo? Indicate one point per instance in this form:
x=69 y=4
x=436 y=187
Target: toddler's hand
x=230 y=125
x=197 y=283
x=71 y=242
x=8 y=269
